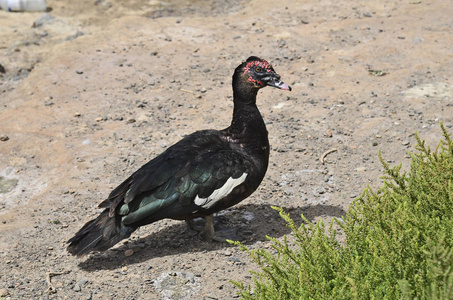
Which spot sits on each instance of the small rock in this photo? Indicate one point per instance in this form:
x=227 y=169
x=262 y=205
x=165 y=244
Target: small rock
x=418 y=40
x=234 y=259
x=77 y=114
x=83 y=281
x=2 y=69
x=79 y=72
x=43 y=19
x=4 y=138
x=320 y=190
x=48 y=101
x=76 y=288
x=4 y=293
x=227 y=253
x=405 y=142
x=128 y=252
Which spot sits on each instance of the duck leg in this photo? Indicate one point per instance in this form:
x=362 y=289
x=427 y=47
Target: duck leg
x=208 y=233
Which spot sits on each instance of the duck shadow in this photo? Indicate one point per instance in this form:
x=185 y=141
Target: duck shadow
x=254 y=223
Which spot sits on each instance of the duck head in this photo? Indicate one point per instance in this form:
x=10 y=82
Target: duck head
x=259 y=73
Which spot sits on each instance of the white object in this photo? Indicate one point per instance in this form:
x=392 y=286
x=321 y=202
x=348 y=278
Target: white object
x=220 y=193
x=23 y=5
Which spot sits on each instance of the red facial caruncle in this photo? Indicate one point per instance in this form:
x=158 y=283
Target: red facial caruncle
x=264 y=65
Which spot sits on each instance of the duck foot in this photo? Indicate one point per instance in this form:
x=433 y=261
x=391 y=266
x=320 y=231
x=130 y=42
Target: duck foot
x=208 y=233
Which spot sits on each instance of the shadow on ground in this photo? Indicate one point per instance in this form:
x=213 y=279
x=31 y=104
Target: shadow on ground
x=177 y=239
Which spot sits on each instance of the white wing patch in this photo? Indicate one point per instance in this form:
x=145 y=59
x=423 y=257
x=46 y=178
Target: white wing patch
x=221 y=192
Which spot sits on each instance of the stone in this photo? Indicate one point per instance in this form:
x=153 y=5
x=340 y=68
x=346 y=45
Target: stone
x=4 y=293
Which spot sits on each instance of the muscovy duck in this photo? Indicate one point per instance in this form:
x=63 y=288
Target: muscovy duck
x=204 y=173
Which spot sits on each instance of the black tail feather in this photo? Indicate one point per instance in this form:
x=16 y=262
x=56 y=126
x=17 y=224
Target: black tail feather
x=99 y=234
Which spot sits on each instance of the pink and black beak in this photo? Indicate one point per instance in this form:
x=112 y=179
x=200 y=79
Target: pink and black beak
x=273 y=79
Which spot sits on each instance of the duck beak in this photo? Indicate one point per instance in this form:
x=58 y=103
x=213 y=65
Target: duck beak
x=275 y=81
x=279 y=84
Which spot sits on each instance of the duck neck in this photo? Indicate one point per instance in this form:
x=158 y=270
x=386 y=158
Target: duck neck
x=248 y=131
x=246 y=116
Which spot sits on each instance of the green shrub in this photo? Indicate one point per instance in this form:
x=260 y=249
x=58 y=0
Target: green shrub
x=398 y=241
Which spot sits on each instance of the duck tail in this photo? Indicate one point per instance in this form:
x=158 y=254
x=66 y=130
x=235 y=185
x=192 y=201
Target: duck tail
x=99 y=234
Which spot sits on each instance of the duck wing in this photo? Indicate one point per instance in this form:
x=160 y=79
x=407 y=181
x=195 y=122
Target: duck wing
x=195 y=177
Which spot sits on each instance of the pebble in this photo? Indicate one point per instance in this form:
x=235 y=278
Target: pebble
x=234 y=260
x=320 y=190
x=79 y=72
x=128 y=252
x=418 y=40
x=405 y=142
x=43 y=19
x=77 y=288
x=4 y=138
x=4 y=293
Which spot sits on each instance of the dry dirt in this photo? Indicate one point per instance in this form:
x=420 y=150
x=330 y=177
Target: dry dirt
x=93 y=89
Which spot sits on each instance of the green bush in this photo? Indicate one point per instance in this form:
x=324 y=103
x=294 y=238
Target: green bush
x=398 y=241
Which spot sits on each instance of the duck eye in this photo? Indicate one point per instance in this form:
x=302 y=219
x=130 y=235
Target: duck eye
x=258 y=69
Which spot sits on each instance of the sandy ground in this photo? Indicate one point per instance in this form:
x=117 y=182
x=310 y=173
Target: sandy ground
x=93 y=89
